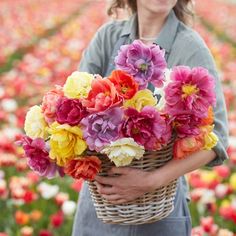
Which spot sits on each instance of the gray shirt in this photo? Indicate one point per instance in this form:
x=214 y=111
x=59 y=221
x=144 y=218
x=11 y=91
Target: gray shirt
x=183 y=46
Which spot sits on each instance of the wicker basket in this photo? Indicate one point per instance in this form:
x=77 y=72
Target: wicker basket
x=151 y=207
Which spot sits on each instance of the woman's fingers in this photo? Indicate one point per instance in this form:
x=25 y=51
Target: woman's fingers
x=105 y=180
x=112 y=197
x=119 y=201
x=105 y=189
x=119 y=170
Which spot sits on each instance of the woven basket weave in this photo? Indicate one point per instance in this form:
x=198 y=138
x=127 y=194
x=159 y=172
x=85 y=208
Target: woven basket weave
x=150 y=207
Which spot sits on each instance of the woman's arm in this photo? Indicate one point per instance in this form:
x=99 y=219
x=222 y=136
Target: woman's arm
x=133 y=183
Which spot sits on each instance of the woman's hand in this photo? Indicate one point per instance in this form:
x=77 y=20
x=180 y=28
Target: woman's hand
x=129 y=185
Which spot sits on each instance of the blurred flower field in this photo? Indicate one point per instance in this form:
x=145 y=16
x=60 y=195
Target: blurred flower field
x=42 y=50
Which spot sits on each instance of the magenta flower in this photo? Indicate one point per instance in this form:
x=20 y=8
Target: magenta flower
x=186 y=125
x=191 y=91
x=147 y=128
x=102 y=128
x=145 y=63
x=70 y=111
x=37 y=153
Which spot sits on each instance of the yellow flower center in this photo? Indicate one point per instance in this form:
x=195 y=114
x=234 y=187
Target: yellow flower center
x=135 y=130
x=124 y=89
x=143 y=67
x=189 y=89
x=107 y=93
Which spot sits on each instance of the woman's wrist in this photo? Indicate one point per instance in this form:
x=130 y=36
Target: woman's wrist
x=155 y=179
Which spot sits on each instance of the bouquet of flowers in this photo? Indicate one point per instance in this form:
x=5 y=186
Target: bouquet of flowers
x=119 y=116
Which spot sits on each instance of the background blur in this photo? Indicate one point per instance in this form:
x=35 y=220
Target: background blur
x=41 y=42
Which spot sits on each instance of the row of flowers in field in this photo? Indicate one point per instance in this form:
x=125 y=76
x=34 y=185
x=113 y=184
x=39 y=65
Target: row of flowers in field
x=24 y=20
x=49 y=63
x=212 y=191
x=225 y=57
x=34 y=206
x=222 y=20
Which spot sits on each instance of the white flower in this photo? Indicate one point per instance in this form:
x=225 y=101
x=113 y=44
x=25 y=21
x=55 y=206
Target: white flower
x=35 y=125
x=10 y=132
x=68 y=208
x=221 y=190
x=232 y=141
x=208 y=196
x=159 y=92
x=2 y=174
x=2 y=91
x=225 y=232
x=3 y=185
x=9 y=105
x=123 y=151
x=48 y=191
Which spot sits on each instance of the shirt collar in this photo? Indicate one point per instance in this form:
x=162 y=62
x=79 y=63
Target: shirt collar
x=166 y=36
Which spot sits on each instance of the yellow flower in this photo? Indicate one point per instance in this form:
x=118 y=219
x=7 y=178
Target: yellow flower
x=123 y=151
x=141 y=99
x=232 y=181
x=66 y=142
x=78 y=85
x=35 y=125
x=208 y=176
x=225 y=203
x=211 y=140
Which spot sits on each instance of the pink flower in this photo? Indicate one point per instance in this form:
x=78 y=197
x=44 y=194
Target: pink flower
x=37 y=153
x=145 y=63
x=70 y=111
x=147 y=128
x=191 y=90
x=50 y=102
x=186 y=125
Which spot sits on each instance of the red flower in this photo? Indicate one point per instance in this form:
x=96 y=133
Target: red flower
x=45 y=232
x=103 y=95
x=57 y=219
x=29 y=196
x=223 y=171
x=77 y=185
x=207 y=224
x=226 y=212
x=124 y=83
x=86 y=167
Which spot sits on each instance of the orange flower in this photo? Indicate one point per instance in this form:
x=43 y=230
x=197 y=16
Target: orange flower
x=21 y=218
x=186 y=146
x=210 y=117
x=124 y=83
x=102 y=96
x=35 y=215
x=85 y=167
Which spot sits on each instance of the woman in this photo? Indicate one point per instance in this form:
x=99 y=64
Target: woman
x=161 y=22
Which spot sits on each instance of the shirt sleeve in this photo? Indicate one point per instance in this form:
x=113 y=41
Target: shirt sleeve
x=202 y=57
x=92 y=57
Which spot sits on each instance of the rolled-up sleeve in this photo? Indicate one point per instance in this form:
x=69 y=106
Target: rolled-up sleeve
x=202 y=57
